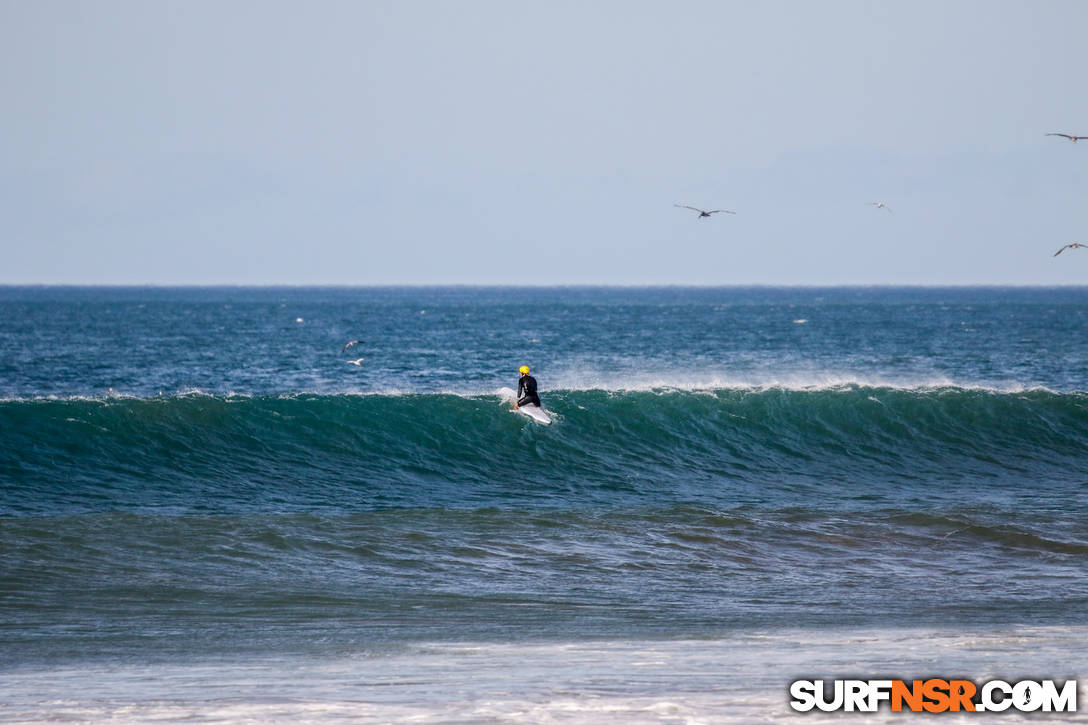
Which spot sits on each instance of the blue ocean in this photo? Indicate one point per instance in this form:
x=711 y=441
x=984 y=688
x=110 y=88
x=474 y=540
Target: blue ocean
x=211 y=511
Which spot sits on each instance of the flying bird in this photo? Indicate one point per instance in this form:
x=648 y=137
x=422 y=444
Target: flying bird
x=1074 y=139
x=358 y=362
x=353 y=343
x=880 y=205
x=1074 y=245
x=704 y=213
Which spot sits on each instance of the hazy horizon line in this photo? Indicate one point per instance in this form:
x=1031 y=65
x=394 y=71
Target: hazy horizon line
x=556 y=285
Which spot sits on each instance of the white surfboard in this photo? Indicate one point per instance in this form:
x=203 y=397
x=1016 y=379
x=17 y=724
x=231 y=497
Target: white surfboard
x=508 y=396
x=538 y=414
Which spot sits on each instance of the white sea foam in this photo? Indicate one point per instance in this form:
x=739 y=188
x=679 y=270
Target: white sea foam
x=738 y=678
x=811 y=382
x=632 y=382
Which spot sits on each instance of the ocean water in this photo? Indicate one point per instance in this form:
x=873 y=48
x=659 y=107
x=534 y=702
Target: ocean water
x=210 y=513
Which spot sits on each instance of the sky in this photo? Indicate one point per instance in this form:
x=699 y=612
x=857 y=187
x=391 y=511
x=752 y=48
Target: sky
x=377 y=142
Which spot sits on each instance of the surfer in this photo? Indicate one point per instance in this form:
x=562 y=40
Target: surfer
x=526 y=385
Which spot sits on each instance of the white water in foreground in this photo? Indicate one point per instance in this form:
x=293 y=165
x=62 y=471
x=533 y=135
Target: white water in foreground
x=738 y=678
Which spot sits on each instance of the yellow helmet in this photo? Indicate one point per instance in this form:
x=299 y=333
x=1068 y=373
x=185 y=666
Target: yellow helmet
x=524 y=370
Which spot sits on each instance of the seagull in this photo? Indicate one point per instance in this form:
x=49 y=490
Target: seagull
x=1074 y=139
x=704 y=213
x=351 y=344
x=880 y=205
x=358 y=362
x=1074 y=245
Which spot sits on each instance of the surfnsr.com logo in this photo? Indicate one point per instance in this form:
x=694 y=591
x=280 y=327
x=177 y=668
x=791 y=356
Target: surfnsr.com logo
x=934 y=695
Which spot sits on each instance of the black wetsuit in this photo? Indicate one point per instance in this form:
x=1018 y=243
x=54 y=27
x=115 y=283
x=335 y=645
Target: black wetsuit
x=527 y=385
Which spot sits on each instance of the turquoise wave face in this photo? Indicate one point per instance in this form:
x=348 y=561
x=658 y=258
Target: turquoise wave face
x=845 y=447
